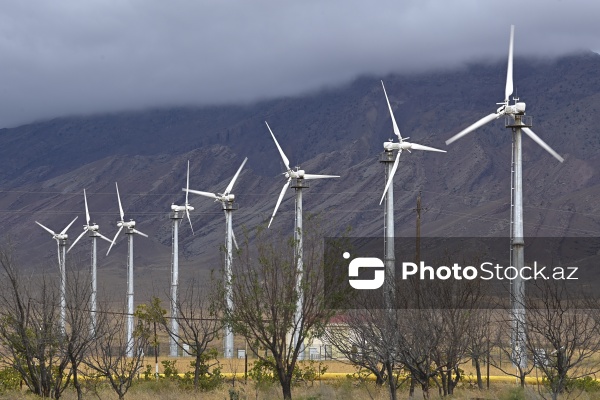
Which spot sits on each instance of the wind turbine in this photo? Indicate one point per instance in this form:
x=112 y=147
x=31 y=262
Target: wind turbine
x=61 y=243
x=226 y=198
x=299 y=176
x=129 y=231
x=517 y=122
x=176 y=216
x=388 y=193
x=92 y=229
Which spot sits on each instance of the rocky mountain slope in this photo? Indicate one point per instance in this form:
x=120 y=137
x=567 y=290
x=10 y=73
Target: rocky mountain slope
x=45 y=166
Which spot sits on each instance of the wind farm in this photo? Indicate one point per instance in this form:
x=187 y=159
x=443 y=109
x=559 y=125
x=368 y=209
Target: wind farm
x=253 y=297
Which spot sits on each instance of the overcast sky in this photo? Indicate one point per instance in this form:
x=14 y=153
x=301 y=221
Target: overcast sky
x=65 y=57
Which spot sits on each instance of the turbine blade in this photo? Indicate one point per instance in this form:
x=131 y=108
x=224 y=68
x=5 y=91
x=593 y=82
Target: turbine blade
x=543 y=144
x=187 y=213
x=471 y=128
x=509 y=70
x=201 y=193
x=77 y=240
x=47 y=229
x=113 y=241
x=140 y=233
x=283 y=157
x=232 y=233
x=312 y=176
x=87 y=212
x=396 y=130
x=103 y=237
x=230 y=186
x=416 y=146
x=234 y=241
x=391 y=177
x=68 y=226
x=287 y=184
x=187 y=187
x=58 y=251
x=120 y=206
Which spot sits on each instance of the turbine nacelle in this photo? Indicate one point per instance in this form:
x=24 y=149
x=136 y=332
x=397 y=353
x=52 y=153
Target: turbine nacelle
x=506 y=109
x=225 y=197
x=515 y=109
x=297 y=174
x=390 y=146
x=182 y=208
x=92 y=228
x=126 y=224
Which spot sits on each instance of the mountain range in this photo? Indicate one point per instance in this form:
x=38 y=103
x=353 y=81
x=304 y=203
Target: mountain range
x=44 y=166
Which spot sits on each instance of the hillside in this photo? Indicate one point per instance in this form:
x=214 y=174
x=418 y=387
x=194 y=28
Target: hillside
x=45 y=166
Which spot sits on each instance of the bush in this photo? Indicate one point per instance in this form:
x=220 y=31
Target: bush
x=9 y=379
x=207 y=380
x=263 y=372
x=169 y=369
x=587 y=384
x=309 y=372
x=209 y=370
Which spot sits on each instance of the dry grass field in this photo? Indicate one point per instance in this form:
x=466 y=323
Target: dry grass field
x=343 y=389
x=335 y=385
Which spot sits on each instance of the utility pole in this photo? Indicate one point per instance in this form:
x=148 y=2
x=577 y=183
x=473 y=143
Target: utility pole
x=418 y=237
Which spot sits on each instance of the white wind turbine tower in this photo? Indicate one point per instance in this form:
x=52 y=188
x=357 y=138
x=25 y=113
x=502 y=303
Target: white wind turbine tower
x=391 y=166
x=298 y=176
x=226 y=198
x=61 y=244
x=92 y=230
x=129 y=231
x=177 y=216
x=517 y=122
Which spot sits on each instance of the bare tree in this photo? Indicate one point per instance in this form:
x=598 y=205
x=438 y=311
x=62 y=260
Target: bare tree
x=460 y=300
x=479 y=336
x=199 y=325
x=264 y=290
x=32 y=341
x=420 y=333
x=80 y=336
x=370 y=337
x=517 y=367
x=352 y=335
x=563 y=333
x=108 y=355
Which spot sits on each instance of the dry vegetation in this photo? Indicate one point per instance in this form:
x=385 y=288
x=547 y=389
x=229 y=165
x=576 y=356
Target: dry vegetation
x=442 y=351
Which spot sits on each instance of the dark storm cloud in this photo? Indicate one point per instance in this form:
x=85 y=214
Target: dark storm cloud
x=70 y=57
